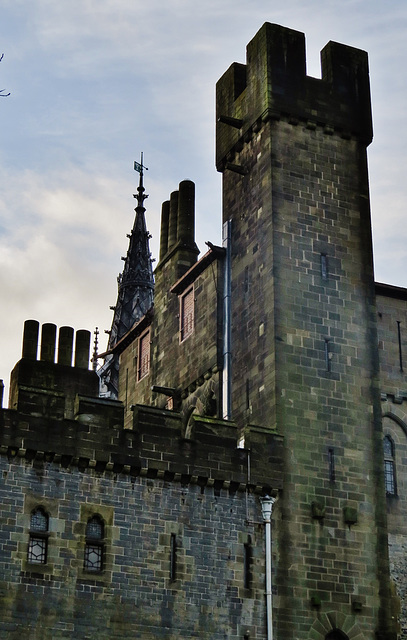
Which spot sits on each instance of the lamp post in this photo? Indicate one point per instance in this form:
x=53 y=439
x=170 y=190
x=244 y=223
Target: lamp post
x=266 y=509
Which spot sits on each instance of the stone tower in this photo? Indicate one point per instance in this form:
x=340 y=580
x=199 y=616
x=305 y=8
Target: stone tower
x=135 y=290
x=252 y=381
x=303 y=355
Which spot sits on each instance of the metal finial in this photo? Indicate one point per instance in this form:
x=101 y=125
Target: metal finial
x=95 y=349
x=140 y=195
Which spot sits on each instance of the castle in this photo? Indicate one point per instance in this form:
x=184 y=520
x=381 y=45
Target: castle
x=237 y=467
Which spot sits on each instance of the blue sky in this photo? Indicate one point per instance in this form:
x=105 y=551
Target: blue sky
x=95 y=83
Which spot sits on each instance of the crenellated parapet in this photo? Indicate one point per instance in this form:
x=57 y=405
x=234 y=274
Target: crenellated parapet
x=55 y=415
x=273 y=84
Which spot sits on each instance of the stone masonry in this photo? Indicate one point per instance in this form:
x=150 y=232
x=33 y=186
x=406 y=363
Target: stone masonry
x=292 y=151
x=272 y=366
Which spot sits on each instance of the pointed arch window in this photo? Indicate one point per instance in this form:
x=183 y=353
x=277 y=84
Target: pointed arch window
x=94 y=544
x=38 y=537
x=389 y=466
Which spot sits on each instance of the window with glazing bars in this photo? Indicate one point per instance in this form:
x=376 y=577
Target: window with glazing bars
x=389 y=466
x=143 y=356
x=94 y=546
x=38 y=537
x=187 y=314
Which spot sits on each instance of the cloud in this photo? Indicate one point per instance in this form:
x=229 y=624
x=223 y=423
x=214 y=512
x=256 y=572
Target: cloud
x=94 y=83
x=60 y=245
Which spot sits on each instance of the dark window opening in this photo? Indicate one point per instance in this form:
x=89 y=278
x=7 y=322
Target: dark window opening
x=336 y=634
x=173 y=557
x=94 y=545
x=400 y=349
x=331 y=463
x=247 y=565
x=38 y=537
x=328 y=354
x=246 y=279
x=324 y=266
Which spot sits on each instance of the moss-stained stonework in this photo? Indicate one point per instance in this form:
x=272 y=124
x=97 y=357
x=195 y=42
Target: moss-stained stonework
x=287 y=318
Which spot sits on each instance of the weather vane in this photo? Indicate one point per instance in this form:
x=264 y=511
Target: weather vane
x=138 y=166
x=140 y=195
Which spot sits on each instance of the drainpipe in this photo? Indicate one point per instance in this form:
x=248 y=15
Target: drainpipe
x=227 y=352
x=266 y=509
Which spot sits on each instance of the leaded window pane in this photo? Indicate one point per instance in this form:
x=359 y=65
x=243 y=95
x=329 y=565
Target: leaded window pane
x=388 y=447
x=94 y=529
x=39 y=521
x=144 y=356
x=93 y=560
x=93 y=557
x=37 y=550
x=389 y=477
x=187 y=314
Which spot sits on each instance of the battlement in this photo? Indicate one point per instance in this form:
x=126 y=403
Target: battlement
x=56 y=415
x=273 y=84
x=153 y=447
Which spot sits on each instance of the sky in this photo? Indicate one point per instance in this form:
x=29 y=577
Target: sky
x=92 y=84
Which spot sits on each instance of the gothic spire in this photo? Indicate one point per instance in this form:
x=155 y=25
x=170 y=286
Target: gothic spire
x=135 y=286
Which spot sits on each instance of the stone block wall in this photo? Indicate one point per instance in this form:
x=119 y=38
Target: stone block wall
x=190 y=367
x=136 y=595
x=327 y=399
x=183 y=537
x=292 y=151
x=392 y=330
x=392 y=334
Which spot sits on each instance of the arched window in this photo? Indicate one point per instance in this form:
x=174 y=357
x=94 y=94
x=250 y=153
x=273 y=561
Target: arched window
x=94 y=544
x=389 y=466
x=38 y=537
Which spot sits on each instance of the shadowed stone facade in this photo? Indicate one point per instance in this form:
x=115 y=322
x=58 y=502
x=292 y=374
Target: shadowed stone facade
x=262 y=369
x=392 y=333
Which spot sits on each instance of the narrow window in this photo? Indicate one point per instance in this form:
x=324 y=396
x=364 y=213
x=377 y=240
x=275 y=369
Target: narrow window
x=143 y=356
x=173 y=557
x=324 y=266
x=94 y=545
x=187 y=314
x=38 y=537
x=400 y=350
x=389 y=466
x=246 y=279
x=247 y=565
x=328 y=354
x=331 y=464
